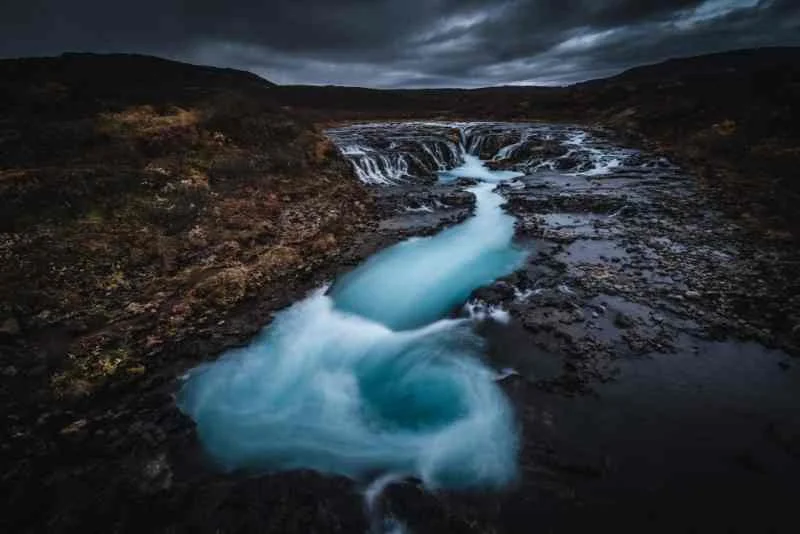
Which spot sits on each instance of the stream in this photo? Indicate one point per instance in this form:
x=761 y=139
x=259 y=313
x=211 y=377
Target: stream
x=371 y=378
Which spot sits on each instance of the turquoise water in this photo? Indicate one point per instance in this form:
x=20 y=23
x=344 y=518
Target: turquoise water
x=473 y=167
x=372 y=378
x=421 y=280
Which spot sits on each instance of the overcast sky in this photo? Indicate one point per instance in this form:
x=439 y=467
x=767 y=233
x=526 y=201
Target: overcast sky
x=402 y=43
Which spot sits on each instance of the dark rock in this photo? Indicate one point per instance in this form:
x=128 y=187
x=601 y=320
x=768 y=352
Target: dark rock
x=10 y=328
x=623 y=321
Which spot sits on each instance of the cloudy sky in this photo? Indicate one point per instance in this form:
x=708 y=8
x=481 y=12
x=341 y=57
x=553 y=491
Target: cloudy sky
x=402 y=43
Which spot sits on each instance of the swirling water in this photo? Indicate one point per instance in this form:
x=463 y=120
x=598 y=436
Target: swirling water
x=341 y=394
x=371 y=378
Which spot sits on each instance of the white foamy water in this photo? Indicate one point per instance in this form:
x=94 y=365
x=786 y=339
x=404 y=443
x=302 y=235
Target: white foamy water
x=421 y=149
x=338 y=393
x=474 y=168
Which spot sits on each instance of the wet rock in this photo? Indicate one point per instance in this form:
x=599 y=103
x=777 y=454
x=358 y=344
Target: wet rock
x=492 y=143
x=566 y=163
x=623 y=321
x=74 y=428
x=501 y=165
x=465 y=182
x=10 y=328
x=540 y=150
x=458 y=198
x=156 y=475
x=496 y=293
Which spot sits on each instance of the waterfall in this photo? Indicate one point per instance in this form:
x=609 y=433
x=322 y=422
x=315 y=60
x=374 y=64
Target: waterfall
x=379 y=169
x=389 y=154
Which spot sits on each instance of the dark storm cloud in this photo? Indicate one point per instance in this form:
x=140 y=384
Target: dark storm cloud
x=403 y=43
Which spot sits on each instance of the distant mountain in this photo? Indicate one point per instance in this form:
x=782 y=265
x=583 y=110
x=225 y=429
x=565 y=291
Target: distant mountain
x=127 y=68
x=710 y=66
x=113 y=78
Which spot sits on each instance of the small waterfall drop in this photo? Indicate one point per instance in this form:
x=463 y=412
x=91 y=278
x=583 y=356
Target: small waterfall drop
x=419 y=151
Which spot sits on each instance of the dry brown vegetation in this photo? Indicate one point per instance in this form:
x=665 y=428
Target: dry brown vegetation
x=130 y=226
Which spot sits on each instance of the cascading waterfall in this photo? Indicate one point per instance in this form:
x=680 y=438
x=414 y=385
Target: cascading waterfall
x=419 y=150
x=381 y=169
x=443 y=154
x=384 y=154
x=508 y=150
